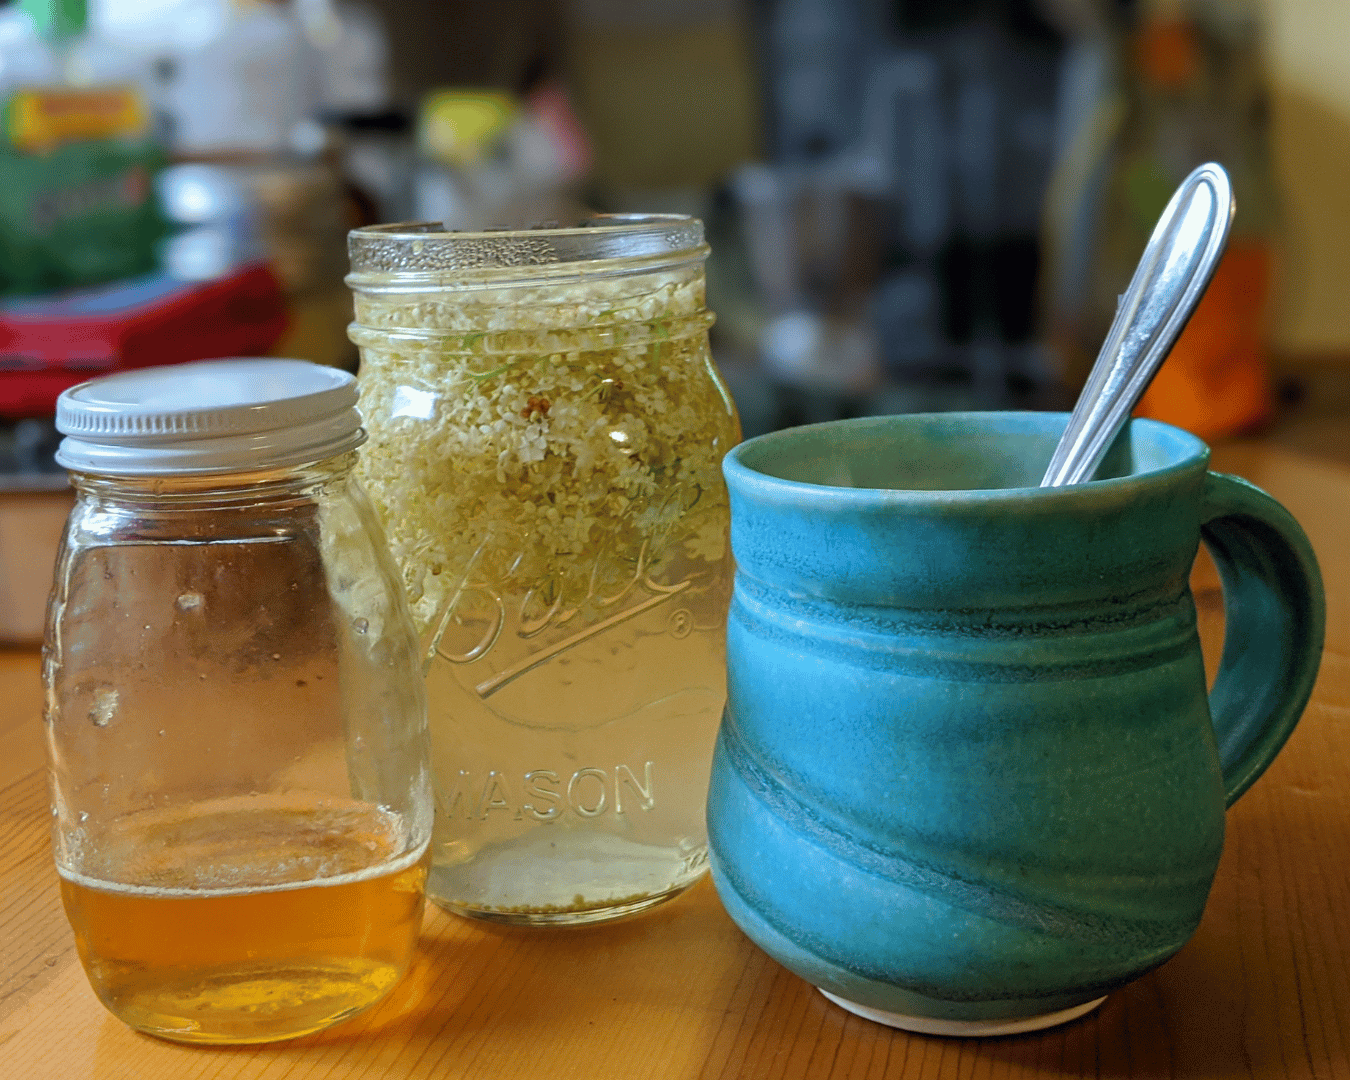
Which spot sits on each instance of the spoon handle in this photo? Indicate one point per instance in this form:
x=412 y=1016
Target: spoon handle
x=1172 y=275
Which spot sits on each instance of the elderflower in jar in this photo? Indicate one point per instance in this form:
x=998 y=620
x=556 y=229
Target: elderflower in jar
x=546 y=434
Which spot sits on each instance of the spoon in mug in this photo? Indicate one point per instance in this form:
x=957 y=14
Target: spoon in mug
x=1172 y=275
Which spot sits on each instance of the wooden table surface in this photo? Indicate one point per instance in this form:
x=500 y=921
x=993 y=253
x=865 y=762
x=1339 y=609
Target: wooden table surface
x=1263 y=990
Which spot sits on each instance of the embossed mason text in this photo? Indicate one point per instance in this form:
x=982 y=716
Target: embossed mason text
x=545 y=794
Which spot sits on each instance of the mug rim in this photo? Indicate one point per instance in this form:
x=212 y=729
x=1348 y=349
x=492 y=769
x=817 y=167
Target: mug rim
x=1192 y=451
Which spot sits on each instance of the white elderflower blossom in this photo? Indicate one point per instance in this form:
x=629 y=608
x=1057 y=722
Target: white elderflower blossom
x=560 y=434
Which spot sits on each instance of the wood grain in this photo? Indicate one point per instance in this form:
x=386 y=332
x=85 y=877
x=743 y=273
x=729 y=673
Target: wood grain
x=1263 y=990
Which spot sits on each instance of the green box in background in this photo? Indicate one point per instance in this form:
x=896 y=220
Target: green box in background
x=77 y=202
x=77 y=166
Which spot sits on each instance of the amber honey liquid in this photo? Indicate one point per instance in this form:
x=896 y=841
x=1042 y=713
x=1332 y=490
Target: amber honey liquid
x=252 y=924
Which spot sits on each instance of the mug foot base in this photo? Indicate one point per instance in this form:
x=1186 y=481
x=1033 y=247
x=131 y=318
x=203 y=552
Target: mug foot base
x=925 y=1025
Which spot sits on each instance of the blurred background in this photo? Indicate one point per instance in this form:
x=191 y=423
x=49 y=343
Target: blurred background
x=912 y=204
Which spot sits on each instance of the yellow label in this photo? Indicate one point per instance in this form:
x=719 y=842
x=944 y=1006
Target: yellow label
x=459 y=125
x=40 y=119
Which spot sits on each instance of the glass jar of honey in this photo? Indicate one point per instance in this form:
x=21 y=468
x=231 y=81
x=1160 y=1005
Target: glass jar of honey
x=546 y=435
x=236 y=726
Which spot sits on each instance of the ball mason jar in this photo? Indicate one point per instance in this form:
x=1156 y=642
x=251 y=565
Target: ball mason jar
x=546 y=435
x=241 y=796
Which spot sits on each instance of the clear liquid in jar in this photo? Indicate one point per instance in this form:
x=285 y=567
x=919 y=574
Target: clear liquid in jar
x=575 y=791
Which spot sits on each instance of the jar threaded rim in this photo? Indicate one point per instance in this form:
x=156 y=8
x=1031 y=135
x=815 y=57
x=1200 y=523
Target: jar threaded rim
x=426 y=251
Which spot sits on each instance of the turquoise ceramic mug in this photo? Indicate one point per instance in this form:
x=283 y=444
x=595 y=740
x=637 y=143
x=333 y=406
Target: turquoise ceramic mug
x=968 y=779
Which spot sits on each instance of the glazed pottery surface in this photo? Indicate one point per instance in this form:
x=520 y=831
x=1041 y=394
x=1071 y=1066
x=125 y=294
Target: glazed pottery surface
x=968 y=771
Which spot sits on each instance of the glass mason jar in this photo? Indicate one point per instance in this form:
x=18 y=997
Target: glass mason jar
x=546 y=435
x=241 y=798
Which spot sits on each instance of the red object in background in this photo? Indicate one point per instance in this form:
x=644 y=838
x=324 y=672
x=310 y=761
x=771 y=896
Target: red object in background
x=50 y=343
x=552 y=110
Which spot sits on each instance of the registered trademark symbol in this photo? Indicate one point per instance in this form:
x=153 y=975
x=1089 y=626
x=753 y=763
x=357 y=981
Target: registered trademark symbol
x=681 y=623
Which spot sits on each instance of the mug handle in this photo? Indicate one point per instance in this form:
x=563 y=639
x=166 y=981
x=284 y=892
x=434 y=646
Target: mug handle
x=1274 y=624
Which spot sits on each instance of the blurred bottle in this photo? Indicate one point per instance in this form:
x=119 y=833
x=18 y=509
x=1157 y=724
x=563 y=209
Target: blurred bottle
x=77 y=155
x=241 y=82
x=1193 y=91
x=352 y=61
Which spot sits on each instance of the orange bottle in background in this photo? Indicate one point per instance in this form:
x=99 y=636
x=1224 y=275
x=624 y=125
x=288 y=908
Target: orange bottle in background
x=1189 y=88
x=1216 y=381
x=1200 y=79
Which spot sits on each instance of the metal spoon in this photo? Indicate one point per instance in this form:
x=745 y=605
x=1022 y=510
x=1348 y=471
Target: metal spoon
x=1172 y=275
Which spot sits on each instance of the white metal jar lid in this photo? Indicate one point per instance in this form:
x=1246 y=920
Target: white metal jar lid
x=215 y=416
